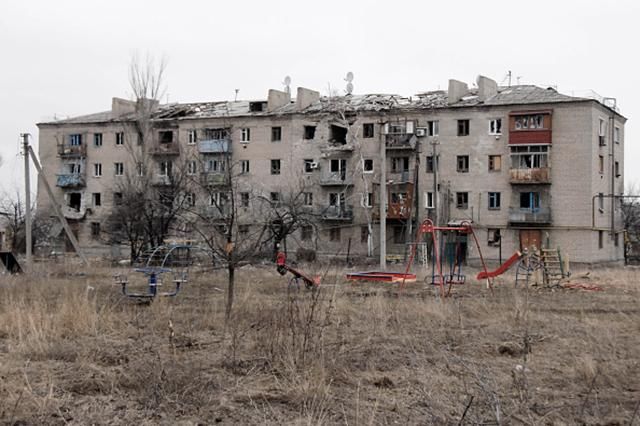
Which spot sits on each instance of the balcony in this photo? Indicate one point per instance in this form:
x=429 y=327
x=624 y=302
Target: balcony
x=336 y=178
x=215 y=212
x=539 y=216
x=530 y=176
x=215 y=146
x=395 y=211
x=399 y=177
x=161 y=180
x=164 y=149
x=73 y=180
x=401 y=141
x=338 y=213
x=66 y=150
x=214 y=179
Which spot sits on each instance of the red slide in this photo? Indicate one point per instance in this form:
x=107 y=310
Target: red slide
x=501 y=270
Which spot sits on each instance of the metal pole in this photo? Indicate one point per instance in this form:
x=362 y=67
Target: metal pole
x=27 y=199
x=434 y=162
x=383 y=203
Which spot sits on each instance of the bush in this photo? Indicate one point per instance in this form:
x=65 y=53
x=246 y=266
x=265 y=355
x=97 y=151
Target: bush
x=305 y=255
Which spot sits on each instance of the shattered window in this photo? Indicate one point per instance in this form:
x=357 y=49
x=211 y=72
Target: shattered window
x=275 y=167
x=368 y=130
x=309 y=132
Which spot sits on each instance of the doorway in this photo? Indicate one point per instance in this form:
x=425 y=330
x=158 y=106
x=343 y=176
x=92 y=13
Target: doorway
x=530 y=238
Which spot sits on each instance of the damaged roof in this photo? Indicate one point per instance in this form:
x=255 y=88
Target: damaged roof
x=512 y=95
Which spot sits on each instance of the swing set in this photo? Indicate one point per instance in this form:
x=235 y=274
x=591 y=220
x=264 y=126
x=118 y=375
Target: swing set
x=447 y=255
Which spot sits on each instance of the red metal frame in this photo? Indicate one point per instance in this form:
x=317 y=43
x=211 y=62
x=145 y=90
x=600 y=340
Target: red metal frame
x=381 y=276
x=427 y=227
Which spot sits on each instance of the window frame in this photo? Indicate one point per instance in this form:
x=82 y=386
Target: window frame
x=494 y=200
x=464 y=127
x=462 y=205
x=276 y=134
x=495 y=126
x=368 y=130
x=464 y=159
x=275 y=166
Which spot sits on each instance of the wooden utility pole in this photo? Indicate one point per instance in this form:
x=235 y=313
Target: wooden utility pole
x=27 y=200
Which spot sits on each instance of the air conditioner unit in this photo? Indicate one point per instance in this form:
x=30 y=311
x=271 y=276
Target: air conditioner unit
x=421 y=132
x=313 y=165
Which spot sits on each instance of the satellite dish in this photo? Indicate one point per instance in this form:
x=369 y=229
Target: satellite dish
x=349 y=88
x=287 y=80
x=349 y=77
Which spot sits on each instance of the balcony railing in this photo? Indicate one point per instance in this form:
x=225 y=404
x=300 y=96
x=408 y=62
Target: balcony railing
x=161 y=180
x=66 y=150
x=336 y=178
x=213 y=179
x=73 y=180
x=339 y=213
x=214 y=146
x=540 y=216
x=401 y=141
x=164 y=149
x=399 y=177
x=528 y=176
x=215 y=212
x=394 y=210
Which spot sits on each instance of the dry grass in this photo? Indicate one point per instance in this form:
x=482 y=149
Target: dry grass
x=73 y=351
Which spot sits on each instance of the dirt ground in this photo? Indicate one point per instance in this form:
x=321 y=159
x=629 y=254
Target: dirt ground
x=74 y=351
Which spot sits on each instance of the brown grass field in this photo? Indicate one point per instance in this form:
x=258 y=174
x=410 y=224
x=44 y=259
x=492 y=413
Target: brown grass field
x=73 y=351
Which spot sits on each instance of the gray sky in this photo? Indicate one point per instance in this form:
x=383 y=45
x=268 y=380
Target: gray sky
x=70 y=57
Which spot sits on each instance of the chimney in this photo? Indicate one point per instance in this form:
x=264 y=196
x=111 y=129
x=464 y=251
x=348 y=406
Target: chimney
x=457 y=90
x=121 y=106
x=486 y=87
x=306 y=97
x=277 y=99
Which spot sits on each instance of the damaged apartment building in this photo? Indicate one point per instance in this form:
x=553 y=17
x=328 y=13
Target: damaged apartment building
x=526 y=165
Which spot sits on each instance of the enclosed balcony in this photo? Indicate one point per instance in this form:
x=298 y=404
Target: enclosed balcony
x=530 y=216
x=71 y=180
x=214 y=146
x=214 y=212
x=214 y=179
x=396 y=177
x=342 y=213
x=400 y=141
x=540 y=175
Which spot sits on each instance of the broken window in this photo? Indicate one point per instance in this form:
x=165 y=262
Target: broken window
x=367 y=165
x=462 y=163
x=245 y=134
x=526 y=122
x=367 y=199
x=308 y=165
x=308 y=198
x=192 y=137
x=364 y=234
x=74 y=168
x=75 y=200
x=433 y=128
x=306 y=232
x=75 y=139
x=215 y=166
x=463 y=127
x=495 y=163
x=190 y=199
x=600 y=239
x=95 y=229
x=462 y=200
x=334 y=234
x=495 y=126
x=493 y=237
x=165 y=136
x=117 y=198
x=96 y=199
x=97 y=139
x=529 y=157
x=276 y=134
x=431 y=165
x=245 y=166
x=166 y=168
x=119 y=138
x=494 y=200
x=398 y=197
x=399 y=164
x=192 y=167
x=309 y=132
x=530 y=200
x=398 y=234
x=339 y=168
x=216 y=134
x=368 y=130
x=244 y=199
x=119 y=169
x=275 y=167
x=429 y=200
x=338 y=134
x=336 y=199
x=617 y=169
x=274 y=197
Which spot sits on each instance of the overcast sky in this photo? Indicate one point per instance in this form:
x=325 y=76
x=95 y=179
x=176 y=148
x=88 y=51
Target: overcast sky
x=68 y=58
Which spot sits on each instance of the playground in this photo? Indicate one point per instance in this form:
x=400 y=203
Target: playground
x=74 y=349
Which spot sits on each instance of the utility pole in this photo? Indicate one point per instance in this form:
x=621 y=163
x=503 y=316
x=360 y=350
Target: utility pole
x=27 y=199
x=383 y=202
x=435 y=165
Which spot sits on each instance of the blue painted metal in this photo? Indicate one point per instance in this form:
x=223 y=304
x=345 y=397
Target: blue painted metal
x=214 y=146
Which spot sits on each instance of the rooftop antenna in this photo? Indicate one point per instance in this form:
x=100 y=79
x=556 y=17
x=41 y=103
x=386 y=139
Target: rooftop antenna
x=287 y=83
x=236 y=96
x=349 y=80
x=518 y=79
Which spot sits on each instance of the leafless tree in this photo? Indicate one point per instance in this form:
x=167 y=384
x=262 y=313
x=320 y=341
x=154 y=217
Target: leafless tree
x=14 y=210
